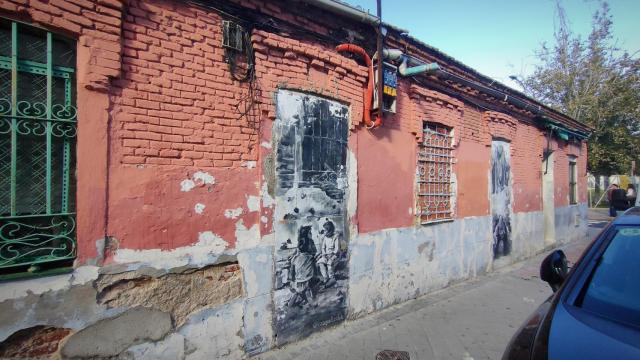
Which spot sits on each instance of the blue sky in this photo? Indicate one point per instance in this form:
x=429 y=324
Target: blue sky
x=498 y=37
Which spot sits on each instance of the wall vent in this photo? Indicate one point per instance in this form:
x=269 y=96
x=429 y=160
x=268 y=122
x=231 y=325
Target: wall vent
x=232 y=35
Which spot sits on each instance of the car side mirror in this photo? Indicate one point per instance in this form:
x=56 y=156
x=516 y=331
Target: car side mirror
x=554 y=269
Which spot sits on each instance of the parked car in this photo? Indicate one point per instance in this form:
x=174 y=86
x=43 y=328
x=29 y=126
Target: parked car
x=594 y=312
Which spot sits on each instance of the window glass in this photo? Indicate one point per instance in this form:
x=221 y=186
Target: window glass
x=573 y=192
x=614 y=289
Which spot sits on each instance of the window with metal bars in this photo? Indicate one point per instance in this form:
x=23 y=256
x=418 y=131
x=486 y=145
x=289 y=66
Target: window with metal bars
x=434 y=197
x=37 y=151
x=573 y=182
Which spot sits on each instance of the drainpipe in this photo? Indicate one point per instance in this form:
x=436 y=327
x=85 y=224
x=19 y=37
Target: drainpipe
x=368 y=92
x=419 y=68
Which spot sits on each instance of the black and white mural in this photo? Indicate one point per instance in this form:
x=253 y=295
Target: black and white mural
x=311 y=278
x=501 y=197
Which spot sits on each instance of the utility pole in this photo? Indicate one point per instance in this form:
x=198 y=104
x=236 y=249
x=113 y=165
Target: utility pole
x=380 y=56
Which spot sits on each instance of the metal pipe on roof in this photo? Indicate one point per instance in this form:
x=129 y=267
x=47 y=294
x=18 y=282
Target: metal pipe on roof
x=346 y=10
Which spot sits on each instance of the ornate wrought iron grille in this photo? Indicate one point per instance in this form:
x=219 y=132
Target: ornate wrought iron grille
x=434 y=174
x=37 y=151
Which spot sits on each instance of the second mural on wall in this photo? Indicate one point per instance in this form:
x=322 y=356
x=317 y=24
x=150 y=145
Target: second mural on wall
x=501 y=197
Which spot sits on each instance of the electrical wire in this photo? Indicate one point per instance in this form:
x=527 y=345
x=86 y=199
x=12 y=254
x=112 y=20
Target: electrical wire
x=247 y=51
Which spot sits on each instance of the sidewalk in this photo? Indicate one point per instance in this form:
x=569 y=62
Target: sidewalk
x=471 y=320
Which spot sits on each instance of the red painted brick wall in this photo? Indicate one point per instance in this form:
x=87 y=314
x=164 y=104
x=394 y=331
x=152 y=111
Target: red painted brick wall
x=177 y=111
x=176 y=103
x=155 y=84
x=526 y=166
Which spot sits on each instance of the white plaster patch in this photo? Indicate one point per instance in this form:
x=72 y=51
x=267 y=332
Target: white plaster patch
x=198 y=178
x=233 y=213
x=264 y=219
x=37 y=286
x=199 y=208
x=352 y=198
x=268 y=239
x=84 y=274
x=266 y=145
x=172 y=347
x=205 y=251
x=203 y=178
x=391 y=266
x=267 y=200
x=253 y=203
x=261 y=258
x=187 y=185
x=249 y=164
x=215 y=333
x=247 y=238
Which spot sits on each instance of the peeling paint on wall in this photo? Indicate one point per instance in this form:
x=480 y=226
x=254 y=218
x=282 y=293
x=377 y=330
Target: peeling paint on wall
x=247 y=238
x=178 y=293
x=391 y=266
x=267 y=200
x=233 y=213
x=17 y=289
x=206 y=251
x=253 y=203
x=199 y=208
x=249 y=164
x=199 y=178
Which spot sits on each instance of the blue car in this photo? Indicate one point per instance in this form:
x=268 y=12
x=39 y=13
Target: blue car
x=594 y=312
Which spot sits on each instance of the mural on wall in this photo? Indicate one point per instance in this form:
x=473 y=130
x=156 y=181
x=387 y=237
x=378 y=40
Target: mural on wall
x=501 y=197
x=311 y=245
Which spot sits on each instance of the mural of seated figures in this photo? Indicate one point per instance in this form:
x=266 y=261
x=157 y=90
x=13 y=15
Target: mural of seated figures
x=311 y=250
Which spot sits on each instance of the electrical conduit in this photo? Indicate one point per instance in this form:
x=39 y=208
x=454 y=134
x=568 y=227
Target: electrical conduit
x=368 y=93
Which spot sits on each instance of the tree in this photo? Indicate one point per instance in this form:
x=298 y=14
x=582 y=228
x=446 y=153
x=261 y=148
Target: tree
x=594 y=82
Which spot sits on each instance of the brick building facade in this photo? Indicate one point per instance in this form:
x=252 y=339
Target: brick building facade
x=227 y=201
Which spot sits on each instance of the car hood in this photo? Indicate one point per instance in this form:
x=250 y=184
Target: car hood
x=578 y=334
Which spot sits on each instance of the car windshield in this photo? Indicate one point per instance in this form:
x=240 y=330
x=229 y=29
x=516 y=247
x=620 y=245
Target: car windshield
x=614 y=289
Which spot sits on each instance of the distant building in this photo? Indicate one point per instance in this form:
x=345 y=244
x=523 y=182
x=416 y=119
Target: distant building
x=201 y=177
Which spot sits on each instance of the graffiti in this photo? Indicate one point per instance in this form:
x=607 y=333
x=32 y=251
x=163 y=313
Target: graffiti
x=311 y=258
x=501 y=197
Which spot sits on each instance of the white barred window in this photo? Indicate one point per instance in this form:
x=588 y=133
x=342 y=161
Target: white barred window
x=434 y=174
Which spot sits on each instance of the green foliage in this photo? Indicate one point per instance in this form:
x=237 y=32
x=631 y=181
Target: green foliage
x=596 y=83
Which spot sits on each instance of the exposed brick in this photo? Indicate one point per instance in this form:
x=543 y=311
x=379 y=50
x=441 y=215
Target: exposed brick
x=65 y=5
x=170 y=153
x=183 y=162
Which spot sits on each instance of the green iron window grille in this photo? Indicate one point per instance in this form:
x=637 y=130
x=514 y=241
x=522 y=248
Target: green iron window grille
x=37 y=151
